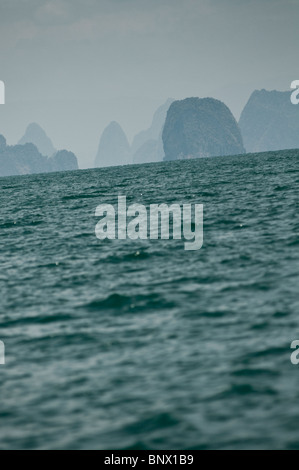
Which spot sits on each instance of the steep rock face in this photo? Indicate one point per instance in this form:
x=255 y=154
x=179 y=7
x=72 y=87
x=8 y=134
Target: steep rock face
x=36 y=135
x=155 y=130
x=114 y=148
x=22 y=160
x=148 y=152
x=197 y=128
x=63 y=161
x=269 y=122
x=26 y=159
x=151 y=151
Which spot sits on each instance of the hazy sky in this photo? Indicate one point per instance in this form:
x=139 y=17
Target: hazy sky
x=75 y=65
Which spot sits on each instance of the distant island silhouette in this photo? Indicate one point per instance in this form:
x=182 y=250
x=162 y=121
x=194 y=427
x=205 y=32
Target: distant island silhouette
x=269 y=122
x=197 y=128
x=26 y=159
x=184 y=129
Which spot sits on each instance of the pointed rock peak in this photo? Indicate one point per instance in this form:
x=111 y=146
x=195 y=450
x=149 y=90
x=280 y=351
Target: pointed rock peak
x=2 y=142
x=154 y=131
x=36 y=135
x=34 y=127
x=114 y=127
x=114 y=148
x=162 y=110
x=114 y=124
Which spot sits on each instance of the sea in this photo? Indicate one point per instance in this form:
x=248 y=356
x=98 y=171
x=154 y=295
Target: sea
x=140 y=344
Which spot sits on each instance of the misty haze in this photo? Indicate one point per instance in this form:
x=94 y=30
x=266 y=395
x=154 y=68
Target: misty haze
x=149 y=227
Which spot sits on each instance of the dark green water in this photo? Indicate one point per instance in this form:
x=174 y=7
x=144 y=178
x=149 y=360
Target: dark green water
x=140 y=344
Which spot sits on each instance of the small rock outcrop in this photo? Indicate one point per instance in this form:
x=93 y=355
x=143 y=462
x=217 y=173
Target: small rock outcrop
x=63 y=161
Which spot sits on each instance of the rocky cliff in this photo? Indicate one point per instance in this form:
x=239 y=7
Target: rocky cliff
x=197 y=128
x=26 y=159
x=270 y=121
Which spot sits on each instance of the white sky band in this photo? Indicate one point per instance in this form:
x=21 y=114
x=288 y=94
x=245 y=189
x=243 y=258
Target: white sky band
x=2 y=92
